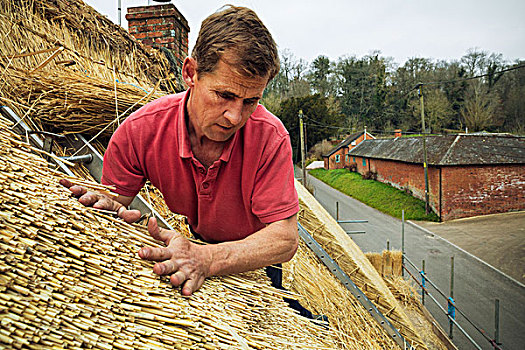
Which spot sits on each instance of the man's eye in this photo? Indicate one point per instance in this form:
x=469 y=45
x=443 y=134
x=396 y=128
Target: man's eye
x=250 y=102
x=223 y=95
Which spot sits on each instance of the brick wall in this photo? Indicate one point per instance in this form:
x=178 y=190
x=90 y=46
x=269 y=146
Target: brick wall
x=332 y=160
x=463 y=191
x=479 y=190
x=409 y=177
x=160 y=25
x=345 y=161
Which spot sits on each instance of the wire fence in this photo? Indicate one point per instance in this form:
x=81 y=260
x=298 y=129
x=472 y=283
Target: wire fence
x=452 y=306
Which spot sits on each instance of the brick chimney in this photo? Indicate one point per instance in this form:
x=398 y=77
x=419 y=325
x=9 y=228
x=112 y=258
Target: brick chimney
x=397 y=133
x=160 y=25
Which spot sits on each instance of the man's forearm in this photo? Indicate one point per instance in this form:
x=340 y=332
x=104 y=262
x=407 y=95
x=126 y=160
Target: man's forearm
x=188 y=264
x=273 y=244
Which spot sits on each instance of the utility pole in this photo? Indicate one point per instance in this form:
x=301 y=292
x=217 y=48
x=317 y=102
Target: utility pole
x=427 y=206
x=119 y=7
x=301 y=131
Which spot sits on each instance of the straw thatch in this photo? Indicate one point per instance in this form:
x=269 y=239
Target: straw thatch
x=354 y=263
x=389 y=265
x=73 y=103
x=83 y=70
x=71 y=278
x=89 y=41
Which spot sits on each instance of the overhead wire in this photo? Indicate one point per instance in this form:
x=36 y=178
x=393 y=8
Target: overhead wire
x=316 y=123
x=468 y=78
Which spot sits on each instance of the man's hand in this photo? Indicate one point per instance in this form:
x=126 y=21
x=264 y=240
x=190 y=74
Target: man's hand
x=102 y=201
x=186 y=262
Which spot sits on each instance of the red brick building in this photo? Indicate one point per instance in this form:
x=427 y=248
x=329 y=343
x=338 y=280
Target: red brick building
x=469 y=175
x=160 y=26
x=338 y=157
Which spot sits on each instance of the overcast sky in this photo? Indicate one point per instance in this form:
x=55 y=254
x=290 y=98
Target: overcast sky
x=439 y=29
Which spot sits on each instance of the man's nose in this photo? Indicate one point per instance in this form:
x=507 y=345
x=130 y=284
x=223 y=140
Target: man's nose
x=234 y=111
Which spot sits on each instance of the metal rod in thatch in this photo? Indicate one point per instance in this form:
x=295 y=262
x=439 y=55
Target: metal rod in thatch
x=351 y=286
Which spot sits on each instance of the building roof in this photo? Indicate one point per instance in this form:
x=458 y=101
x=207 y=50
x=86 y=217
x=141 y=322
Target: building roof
x=346 y=142
x=316 y=164
x=463 y=149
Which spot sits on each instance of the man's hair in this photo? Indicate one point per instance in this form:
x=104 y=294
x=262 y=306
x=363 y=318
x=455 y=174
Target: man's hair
x=239 y=32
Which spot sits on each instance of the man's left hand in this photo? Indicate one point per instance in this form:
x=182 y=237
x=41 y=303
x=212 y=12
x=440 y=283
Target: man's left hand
x=186 y=262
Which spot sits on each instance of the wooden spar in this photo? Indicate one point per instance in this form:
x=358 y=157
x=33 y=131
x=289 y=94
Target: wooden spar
x=49 y=59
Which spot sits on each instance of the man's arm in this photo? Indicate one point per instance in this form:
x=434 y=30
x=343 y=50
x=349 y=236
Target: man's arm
x=189 y=263
x=102 y=201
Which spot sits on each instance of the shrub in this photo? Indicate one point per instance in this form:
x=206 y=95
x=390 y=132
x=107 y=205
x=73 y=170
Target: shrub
x=351 y=167
x=370 y=175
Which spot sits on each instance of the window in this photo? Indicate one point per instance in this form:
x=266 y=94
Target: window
x=354 y=159
x=337 y=158
x=364 y=162
x=346 y=158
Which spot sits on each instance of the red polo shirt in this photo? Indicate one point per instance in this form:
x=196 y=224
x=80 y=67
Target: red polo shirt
x=249 y=186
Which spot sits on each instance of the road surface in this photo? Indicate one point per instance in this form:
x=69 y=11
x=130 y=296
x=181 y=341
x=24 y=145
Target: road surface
x=476 y=284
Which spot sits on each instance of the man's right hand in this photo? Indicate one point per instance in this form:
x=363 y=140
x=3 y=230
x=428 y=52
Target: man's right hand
x=102 y=201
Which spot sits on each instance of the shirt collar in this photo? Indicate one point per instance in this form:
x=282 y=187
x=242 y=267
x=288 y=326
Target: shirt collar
x=182 y=130
x=184 y=138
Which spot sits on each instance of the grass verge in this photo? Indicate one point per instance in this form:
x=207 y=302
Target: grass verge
x=375 y=194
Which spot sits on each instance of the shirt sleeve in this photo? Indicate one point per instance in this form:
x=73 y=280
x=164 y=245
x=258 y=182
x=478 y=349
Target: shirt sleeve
x=121 y=166
x=274 y=197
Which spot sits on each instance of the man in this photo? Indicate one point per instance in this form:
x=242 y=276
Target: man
x=218 y=157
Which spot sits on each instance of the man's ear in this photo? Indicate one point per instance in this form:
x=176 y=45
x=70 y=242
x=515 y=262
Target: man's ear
x=189 y=71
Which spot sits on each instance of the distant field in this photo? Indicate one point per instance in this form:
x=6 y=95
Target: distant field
x=375 y=194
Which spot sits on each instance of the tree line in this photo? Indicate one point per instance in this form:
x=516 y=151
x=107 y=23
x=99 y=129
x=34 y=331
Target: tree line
x=343 y=96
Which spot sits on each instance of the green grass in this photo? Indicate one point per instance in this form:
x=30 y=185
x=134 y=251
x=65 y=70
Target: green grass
x=375 y=194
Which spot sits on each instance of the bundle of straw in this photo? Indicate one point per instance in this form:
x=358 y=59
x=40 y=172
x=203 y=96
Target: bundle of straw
x=73 y=103
x=71 y=35
x=388 y=264
x=71 y=278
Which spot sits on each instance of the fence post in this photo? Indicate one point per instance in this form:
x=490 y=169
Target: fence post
x=387 y=244
x=337 y=211
x=451 y=303
x=496 y=321
x=423 y=284
x=403 y=242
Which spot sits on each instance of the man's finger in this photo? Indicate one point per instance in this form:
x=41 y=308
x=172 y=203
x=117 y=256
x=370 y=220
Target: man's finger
x=160 y=234
x=191 y=286
x=155 y=254
x=165 y=268
x=104 y=203
x=177 y=278
x=129 y=216
x=65 y=182
x=89 y=198
x=78 y=190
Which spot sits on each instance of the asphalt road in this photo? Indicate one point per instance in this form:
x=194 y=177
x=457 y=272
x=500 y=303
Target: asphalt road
x=476 y=284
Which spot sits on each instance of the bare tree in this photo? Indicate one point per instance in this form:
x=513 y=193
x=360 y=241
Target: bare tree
x=480 y=110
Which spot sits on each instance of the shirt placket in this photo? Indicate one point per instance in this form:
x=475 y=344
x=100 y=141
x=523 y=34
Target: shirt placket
x=207 y=179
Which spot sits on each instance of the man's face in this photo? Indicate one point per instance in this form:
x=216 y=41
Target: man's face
x=222 y=101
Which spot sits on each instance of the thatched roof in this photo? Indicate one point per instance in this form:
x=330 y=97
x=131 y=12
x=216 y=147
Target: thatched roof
x=76 y=68
x=71 y=278
x=97 y=46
